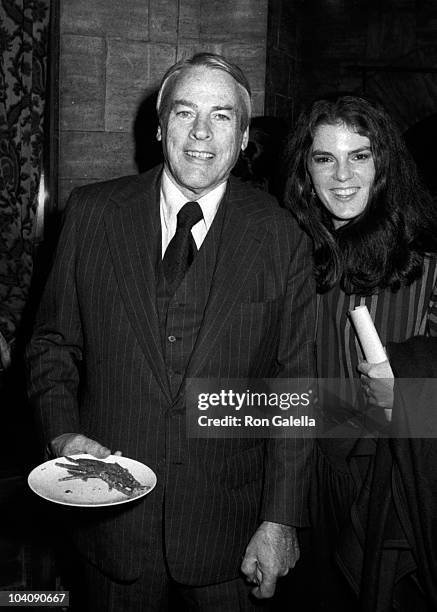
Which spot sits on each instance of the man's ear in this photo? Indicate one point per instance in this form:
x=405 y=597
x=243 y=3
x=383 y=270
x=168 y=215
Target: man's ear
x=245 y=138
x=159 y=133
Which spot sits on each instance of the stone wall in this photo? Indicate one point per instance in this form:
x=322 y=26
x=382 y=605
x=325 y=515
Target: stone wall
x=112 y=55
x=384 y=49
x=283 y=57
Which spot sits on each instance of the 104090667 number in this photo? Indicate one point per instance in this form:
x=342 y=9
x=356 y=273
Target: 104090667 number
x=34 y=598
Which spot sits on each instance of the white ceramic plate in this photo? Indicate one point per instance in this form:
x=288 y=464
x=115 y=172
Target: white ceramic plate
x=45 y=481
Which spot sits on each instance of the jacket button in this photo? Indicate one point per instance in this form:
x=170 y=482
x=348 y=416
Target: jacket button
x=171 y=338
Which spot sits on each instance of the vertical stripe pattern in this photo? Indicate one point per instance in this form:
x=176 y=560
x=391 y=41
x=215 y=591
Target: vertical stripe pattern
x=399 y=315
x=97 y=367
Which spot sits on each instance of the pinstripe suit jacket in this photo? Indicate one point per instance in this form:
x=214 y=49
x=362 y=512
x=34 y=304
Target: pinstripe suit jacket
x=96 y=367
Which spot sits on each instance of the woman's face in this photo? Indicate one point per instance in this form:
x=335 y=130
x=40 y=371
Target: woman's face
x=342 y=170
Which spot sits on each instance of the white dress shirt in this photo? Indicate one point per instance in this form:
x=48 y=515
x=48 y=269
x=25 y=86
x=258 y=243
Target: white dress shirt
x=172 y=200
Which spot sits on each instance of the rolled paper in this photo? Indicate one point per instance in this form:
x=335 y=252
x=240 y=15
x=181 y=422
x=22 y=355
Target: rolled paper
x=367 y=335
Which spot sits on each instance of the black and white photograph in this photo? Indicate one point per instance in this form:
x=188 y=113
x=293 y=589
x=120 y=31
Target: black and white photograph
x=218 y=305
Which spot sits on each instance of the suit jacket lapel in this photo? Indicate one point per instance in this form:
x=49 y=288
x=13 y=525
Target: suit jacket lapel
x=133 y=228
x=240 y=242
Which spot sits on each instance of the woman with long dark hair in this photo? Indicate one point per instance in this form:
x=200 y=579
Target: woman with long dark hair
x=355 y=189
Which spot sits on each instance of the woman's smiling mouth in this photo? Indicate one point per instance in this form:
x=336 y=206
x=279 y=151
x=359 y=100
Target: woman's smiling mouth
x=343 y=193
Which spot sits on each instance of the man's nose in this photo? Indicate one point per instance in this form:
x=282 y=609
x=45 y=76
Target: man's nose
x=343 y=170
x=201 y=129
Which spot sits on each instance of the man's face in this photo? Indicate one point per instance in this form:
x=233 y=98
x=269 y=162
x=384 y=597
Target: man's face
x=202 y=137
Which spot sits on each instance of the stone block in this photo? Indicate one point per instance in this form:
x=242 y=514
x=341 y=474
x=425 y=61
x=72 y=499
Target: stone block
x=269 y=103
x=391 y=33
x=163 y=20
x=252 y=60
x=91 y=156
x=189 y=19
x=273 y=22
x=258 y=103
x=161 y=57
x=189 y=47
x=82 y=82
x=287 y=30
x=278 y=69
x=127 y=78
x=234 y=19
x=124 y=19
x=134 y=70
x=287 y=36
x=284 y=108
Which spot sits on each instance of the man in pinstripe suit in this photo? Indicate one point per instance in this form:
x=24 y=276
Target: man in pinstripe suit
x=112 y=347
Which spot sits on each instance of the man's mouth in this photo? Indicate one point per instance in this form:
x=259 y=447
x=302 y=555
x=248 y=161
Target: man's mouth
x=200 y=154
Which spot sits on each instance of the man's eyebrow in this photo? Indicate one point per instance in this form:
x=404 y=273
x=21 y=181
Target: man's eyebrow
x=183 y=102
x=218 y=107
x=228 y=107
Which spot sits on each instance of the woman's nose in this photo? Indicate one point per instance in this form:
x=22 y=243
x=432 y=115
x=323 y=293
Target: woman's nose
x=343 y=170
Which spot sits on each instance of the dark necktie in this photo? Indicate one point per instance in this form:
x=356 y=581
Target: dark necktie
x=181 y=250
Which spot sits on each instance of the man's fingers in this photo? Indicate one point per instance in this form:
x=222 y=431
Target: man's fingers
x=266 y=588
x=285 y=571
x=296 y=555
x=265 y=581
x=97 y=450
x=76 y=444
x=270 y=552
x=249 y=568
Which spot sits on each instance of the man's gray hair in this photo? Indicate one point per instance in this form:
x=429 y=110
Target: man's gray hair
x=208 y=60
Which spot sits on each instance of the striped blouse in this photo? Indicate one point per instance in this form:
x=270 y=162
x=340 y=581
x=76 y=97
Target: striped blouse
x=411 y=311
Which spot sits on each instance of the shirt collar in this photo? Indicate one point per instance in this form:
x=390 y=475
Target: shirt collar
x=173 y=199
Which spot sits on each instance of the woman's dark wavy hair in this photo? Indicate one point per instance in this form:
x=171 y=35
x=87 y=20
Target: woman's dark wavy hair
x=384 y=245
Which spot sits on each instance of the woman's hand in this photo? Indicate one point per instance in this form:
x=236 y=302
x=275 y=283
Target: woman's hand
x=377 y=380
x=5 y=353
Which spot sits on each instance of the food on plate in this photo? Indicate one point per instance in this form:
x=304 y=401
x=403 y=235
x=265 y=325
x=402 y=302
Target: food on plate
x=116 y=476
